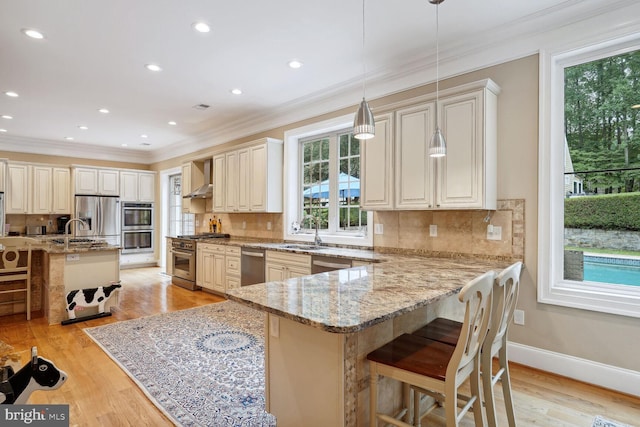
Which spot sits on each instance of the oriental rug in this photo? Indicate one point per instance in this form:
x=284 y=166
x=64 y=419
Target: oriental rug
x=201 y=367
x=603 y=422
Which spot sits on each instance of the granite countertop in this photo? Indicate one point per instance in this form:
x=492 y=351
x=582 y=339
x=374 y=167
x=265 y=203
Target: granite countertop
x=47 y=245
x=350 y=300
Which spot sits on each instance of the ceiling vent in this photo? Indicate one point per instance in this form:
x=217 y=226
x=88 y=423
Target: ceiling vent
x=201 y=106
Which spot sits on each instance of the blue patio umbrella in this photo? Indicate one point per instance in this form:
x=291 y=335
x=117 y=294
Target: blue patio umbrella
x=348 y=186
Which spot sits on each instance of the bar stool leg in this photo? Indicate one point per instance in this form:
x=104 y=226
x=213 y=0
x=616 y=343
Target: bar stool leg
x=506 y=386
x=373 y=395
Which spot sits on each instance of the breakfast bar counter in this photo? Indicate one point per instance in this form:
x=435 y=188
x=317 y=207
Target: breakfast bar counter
x=320 y=328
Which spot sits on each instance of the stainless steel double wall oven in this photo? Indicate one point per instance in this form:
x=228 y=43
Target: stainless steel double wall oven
x=137 y=227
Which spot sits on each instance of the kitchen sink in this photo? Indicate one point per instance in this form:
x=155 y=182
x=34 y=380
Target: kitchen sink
x=301 y=247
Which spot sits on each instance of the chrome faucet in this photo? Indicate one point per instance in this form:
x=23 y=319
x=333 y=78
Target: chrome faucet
x=316 y=220
x=66 y=229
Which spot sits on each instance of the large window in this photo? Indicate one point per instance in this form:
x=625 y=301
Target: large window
x=322 y=179
x=589 y=211
x=179 y=223
x=330 y=183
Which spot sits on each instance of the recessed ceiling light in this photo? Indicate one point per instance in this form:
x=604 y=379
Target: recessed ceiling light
x=104 y=111
x=12 y=94
x=68 y=138
x=172 y=123
x=124 y=145
x=295 y=64
x=6 y=116
x=201 y=27
x=146 y=144
x=236 y=91
x=3 y=130
x=153 y=67
x=34 y=34
x=144 y=135
x=82 y=127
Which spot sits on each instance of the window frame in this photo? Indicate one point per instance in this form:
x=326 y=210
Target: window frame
x=552 y=287
x=292 y=184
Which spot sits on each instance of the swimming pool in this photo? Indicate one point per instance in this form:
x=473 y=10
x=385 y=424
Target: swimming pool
x=621 y=271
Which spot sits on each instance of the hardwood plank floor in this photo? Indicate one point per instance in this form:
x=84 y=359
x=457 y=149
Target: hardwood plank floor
x=101 y=394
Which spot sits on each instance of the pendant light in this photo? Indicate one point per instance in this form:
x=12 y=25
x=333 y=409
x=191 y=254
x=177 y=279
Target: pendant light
x=363 y=124
x=437 y=146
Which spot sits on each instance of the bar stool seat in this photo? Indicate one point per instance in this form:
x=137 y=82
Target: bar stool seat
x=432 y=367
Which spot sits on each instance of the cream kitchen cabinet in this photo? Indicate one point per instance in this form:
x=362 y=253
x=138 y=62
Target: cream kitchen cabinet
x=50 y=190
x=282 y=265
x=252 y=178
x=464 y=179
x=192 y=178
x=376 y=156
x=217 y=267
x=17 y=194
x=137 y=186
x=38 y=189
x=95 y=181
x=3 y=172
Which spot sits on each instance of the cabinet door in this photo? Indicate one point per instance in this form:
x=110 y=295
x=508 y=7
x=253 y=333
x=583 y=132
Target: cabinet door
x=61 y=200
x=295 y=271
x=257 y=176
x=462 y=183
x=274 y=272
x=231 y=194
x=146 y=187
x=233 y=282
x=108 y=182
x=186 y=186
x=129 y=186
x=3 y=171
x=219 y=276
x=376 y=173
x=41 y=179
x=86 y=181
x=414 y=174
x=244 y=180
x=17 y=189
x=219 y=182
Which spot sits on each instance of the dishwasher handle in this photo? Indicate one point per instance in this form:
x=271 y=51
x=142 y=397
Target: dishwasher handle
x=253 y=254
x=337 y=266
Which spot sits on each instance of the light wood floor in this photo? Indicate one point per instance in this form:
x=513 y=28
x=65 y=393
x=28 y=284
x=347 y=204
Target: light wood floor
x=101 y=394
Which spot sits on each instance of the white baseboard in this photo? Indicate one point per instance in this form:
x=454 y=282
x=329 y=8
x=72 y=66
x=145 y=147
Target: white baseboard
x=607 y=376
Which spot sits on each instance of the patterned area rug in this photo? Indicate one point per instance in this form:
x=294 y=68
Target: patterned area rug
x=603 y=422
x=201 y=367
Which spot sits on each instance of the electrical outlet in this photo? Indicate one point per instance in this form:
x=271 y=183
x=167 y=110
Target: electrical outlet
x=518 y=317
x=378 y=229
x=268 y=225
x=274 y=326
x=244 y=225
x=433 y=230
x=49 y=223
x=494 y=232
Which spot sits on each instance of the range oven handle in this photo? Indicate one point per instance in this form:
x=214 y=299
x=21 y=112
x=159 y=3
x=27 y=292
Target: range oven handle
x=182 y=253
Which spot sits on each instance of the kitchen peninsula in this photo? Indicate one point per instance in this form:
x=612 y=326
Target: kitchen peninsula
x=65 y=268
x=319 y=329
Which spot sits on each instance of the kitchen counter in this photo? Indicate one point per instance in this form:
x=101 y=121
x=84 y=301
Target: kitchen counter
x=320 y=328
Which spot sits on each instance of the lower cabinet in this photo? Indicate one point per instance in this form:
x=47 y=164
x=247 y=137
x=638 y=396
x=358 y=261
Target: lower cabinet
x=282 y=265
x=217 y=267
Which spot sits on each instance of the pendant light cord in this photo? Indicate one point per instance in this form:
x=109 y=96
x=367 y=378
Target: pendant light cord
x=437 y=60
x=364 y=69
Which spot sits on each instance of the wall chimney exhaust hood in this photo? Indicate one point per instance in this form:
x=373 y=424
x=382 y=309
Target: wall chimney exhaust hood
x=206 y=189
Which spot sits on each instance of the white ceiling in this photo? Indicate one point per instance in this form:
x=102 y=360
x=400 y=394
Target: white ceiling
x=94 y=55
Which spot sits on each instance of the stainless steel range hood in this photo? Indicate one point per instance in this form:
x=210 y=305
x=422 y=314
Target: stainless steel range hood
x=206 y=189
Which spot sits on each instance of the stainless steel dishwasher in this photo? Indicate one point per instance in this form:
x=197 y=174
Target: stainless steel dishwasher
x=320 y=264
x=252 y=266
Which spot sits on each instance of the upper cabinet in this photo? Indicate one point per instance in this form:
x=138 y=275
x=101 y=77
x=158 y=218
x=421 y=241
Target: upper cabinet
x=249 y=178
x=192 y=178
x=94 y=181
x=3 y=172
x=397 y=172
x=38 y=189
x=137 y=186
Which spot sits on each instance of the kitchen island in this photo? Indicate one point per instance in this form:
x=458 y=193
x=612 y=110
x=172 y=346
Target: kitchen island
x=63 y=268
x=319 y=329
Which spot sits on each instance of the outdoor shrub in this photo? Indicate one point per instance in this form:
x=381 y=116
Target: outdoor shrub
x=606 y=212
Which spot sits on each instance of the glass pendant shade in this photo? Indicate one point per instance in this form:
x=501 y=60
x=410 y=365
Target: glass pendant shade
x=438 y=146
x=363 y=124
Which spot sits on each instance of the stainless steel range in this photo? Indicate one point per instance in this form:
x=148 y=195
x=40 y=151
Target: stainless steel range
x=183 y=258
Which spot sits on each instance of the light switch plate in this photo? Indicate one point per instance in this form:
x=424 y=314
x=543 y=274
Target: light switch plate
x=494 y=232
x=268 y=225
x=518 y=317
x=433 y=230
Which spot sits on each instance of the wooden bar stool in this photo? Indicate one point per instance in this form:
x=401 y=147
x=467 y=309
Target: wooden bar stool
x=505 y=296
x=436 y=368
x=16 y=267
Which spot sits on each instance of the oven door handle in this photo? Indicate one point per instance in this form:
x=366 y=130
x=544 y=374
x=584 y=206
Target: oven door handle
x=189 y=254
